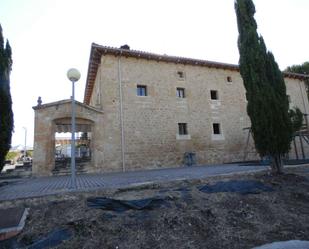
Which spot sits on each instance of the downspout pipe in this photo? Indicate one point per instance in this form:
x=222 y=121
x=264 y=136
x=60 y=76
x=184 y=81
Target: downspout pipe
x=121 y=114
x=303 y=99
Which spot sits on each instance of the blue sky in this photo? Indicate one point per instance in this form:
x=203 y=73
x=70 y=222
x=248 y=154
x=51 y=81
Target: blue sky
x=50 y=36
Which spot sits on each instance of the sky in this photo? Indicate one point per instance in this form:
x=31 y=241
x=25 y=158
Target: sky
x=50 y=36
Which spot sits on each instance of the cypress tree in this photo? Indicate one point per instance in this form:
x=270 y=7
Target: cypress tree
x=6 y=113
x=268 y=106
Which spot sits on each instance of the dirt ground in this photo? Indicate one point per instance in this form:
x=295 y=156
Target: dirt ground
x=189 y=218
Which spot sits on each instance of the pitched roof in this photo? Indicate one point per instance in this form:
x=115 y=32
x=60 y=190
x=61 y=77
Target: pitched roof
x=97 y=51
x=65 y=101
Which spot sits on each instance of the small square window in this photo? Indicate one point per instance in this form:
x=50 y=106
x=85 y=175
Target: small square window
x=180 y=92
x=214 y=94
x=141 y=90
x=229 y=79
x=216 y=128
x=182 y=129
x=181 y=75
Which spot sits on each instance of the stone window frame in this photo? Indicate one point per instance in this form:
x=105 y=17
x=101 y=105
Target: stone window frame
x=183 y=133
x=216 y=128
x=181 y=92
x=214 y=94
x=182 y=128
x=141 y=90
x=217 y=131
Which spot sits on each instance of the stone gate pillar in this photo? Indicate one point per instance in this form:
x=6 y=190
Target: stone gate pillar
x=44 y=143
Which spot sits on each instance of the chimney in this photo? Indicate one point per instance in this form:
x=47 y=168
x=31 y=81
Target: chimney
x=125 y=47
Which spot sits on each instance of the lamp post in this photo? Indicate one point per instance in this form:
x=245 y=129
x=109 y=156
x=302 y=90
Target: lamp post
x=25 y=148
x=73 y=75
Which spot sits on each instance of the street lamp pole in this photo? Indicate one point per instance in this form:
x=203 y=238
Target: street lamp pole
x=25 y=148
x=73 y=75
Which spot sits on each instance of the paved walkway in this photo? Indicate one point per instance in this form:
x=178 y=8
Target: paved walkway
x=35 y=187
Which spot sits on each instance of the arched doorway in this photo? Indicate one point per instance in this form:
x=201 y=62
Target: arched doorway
x=53 y=129
x=83 y=145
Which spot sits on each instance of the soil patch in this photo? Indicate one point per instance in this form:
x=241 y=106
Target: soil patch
x=189 y=217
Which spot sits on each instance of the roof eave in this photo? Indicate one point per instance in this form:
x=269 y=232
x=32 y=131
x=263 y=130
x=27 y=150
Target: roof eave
x=97 y=51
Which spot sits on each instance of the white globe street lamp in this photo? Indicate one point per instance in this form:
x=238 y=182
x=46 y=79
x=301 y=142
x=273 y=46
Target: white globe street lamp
x=73 y=75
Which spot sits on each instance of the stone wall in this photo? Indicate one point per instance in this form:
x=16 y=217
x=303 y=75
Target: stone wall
x=151 y=122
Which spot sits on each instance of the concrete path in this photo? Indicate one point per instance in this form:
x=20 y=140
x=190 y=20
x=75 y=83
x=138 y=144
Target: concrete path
x=35 y=187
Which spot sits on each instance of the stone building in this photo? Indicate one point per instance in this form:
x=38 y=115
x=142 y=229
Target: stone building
x=145 y=110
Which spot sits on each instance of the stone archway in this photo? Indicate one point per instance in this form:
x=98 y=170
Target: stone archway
x=56 y=117
x=83 y=135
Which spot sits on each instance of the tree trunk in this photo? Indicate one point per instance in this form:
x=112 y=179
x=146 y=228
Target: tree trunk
x=276 y=164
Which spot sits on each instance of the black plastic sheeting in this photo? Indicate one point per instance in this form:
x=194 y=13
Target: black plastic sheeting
x=10 y=244
x=242 y=187
x=52 y=239
x=124 y=205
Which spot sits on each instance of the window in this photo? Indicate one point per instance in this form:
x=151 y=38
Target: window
x=229 y=79
x=182 y=129
x=289 y=98
x=141 y=90
x=216 y=128
x=181 y=75
x=180 y=92
x=214 y=94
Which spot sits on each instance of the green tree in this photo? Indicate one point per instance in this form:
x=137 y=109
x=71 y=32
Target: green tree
x=302 y=69
x=296 y=117
x=268 y=106
x=6 y=117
